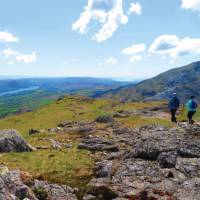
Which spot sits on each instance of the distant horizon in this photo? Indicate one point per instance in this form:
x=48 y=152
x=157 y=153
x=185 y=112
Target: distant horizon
x=124 y=79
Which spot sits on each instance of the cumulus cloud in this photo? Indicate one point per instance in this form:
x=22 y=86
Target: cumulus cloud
x=172 y=46
x=111 y=60
x=7 y=37
x=191 y=4
x=163 y=43
x=25 y=58
x=108 y=13
x=134 y=49
x=135 y=58
x=8 y=53
x=10 y=63
x=135 y=8
x=135 y=52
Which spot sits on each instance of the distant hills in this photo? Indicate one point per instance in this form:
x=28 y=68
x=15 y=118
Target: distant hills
x=185 y=81
x=68 y=85
x=26 y=94
x=19 y=95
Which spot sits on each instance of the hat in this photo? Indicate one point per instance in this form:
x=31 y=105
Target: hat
x=174 y=94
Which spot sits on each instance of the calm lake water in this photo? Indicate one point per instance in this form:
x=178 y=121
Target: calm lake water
x=19 y=90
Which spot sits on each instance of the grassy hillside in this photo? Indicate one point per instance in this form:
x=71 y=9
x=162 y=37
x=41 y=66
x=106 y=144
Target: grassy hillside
x=25 y=101
x=184 y=80
x=70 y=166
x=44 y=90
x=59 y=166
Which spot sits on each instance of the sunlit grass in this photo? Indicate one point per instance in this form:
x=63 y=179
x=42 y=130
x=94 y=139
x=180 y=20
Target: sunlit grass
x=71 y=166
x=138 y=121
x=183 y=114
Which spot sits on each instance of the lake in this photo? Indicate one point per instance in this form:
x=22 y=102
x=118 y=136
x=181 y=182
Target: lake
x=19 y=90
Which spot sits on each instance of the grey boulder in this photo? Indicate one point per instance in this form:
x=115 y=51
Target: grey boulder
x=11 y=141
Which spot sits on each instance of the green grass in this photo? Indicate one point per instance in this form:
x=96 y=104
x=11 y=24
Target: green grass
x=72 y=167
x=138 y=121
x=25 y=101
x=183 y=114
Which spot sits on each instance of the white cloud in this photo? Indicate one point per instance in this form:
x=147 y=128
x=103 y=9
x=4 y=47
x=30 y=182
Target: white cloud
x=73 y=60
x=172 y=46
x=109 y=13
x=135 y=58
x=135 y=8
x=134 y=49
x=8 y=53
x=171 y=62
x=10 y=63
x=7 y=37
x=164 y=43
x=111 y=60
x=27 y=58
x=191 y=4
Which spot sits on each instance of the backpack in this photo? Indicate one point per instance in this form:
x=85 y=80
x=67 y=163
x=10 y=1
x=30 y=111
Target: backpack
x=194 y=104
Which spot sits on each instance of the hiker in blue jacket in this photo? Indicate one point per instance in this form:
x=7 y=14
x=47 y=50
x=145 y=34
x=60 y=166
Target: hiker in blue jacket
x=173 y=106
x=192 y=106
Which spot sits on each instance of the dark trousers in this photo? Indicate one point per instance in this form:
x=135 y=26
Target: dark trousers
x=190 y=115
x=173 y=115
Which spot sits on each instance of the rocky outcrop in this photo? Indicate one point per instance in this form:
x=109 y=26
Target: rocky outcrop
x=54 y=191
x=146 y=163
x=97 y=144
x=159 y=163
x=104 y=119
x=73 y=126
x=13 y=188
x=184 y=81
x=11 y=141
x=33 y=131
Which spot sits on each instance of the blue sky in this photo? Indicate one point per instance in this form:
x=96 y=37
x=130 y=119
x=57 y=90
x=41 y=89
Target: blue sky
x=97 y=38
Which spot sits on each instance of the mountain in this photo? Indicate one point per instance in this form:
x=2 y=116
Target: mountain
x=19 y=95
x=59 y=84
x=185 y=81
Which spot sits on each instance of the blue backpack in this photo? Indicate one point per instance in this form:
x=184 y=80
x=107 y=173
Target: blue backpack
x=194 y=104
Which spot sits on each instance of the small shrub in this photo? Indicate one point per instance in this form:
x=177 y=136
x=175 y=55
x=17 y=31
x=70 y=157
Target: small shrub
x=40 y=193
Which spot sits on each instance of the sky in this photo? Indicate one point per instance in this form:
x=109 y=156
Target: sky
x=121 y=39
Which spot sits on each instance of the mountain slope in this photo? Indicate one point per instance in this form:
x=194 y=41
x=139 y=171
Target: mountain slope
x=24 y=94
x=71 y=84
x=185 y=81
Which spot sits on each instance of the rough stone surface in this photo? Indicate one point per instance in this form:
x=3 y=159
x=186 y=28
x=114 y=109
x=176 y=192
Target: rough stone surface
x=54 y=191
x=167 y=159
x=11 y=141
x=33 y=131
x=104 y=169
x=97 y=144
x=153 y=162
x=150 y=162
x=104 y=119
x=13 y=188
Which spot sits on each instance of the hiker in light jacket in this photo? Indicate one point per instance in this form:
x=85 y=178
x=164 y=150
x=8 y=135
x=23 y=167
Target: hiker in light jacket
x=173 y=106
x=192 y=106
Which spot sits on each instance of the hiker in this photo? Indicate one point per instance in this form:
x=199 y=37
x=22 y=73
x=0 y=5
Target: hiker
x=192 y=108
x=173 y=106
